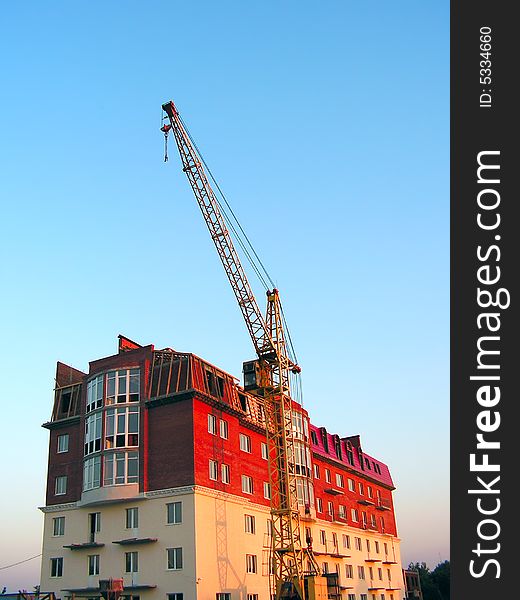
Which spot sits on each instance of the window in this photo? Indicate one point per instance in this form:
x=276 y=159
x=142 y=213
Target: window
x=92 y=473
x=251 y=566
x=342 y=511
x=174 y=513
x=224 y=473
x=380 y=573
x=330 y=509
x=223 y=596
x=60 y=486
x=252 y=597
x=223 y=429
x=358 y=543
x=352 y=597
x=323 y=537
x=245 y=443
x=389 y=574
x=327 y=475
x=349 y=573
x=265 y=451
x=174 y=556
x=94 y=525
x=58 y=526
x=267 y=490
x=370 y=573
x=335 y=540
x=325 y=567
x=351 y=485
x=364 y=597
x=95 y=393
x=175 y=596
x=361 y=572
x=364 y=518
x=213 y=470
x=377 y=546
x=346 y=541
x=269 y=529
x=122 y=427
x=339 y=480
x=63 y=443
x=319 y=505
x=386 y=547
x=93 y=425
x=249 y=524
x=368 y=545
x=123 y=386
x=361 y=489
x=121 y=468
x=93 y=564
x=369 y=491
x=132 y=518
x=373 y=522
x=212 y=424
x=57 y=567
x=316 y=471
x=355 y=515
x=131 y=562
x=314 y=437
x=247 y=484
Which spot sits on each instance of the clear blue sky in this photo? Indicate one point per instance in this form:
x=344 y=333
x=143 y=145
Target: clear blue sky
x=327 y=126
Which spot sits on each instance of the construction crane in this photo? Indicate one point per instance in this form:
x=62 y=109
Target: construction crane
x=295 y=574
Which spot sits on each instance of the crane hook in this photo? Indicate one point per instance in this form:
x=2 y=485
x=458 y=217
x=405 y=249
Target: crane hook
x=166 y=130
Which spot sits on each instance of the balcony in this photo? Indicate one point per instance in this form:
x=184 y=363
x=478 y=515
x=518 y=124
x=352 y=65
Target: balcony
x=84 y=545
x=333 y=491
x=131 y=541
x=366 y=502
x=383 y=504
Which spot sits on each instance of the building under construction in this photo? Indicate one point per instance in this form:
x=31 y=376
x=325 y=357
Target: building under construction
x=167 y=479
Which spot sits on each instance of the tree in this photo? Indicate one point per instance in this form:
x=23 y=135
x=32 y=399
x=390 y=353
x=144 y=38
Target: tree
x=435 y=584
x=441 y=578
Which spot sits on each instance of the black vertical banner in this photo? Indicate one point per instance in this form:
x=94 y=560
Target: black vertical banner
x=485 y=253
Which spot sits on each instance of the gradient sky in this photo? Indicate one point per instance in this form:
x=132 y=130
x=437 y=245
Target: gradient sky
x=326 y=124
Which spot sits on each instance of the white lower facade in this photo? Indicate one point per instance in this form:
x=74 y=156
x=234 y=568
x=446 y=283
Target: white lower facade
x=194 y=543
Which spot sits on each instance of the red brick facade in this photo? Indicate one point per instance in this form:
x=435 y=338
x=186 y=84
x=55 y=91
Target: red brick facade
x=177 y=393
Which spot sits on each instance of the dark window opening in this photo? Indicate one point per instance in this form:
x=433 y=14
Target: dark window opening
x=243 y=402
x=66 y=398
x=220 y=382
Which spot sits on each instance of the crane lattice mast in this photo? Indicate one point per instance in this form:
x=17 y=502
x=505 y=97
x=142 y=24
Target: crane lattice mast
x=291 y=559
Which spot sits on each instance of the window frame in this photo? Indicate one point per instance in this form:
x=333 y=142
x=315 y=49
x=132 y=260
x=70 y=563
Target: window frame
x=174 y=553
x=177 y=504
x=132 y=517
x=58 y=524
x=62 y=437
x=245 y=442
x=132 y=561
x=224 y=429
x=247 y=482
x=251 y=564
x=56 y=567
x=58 y=488
x=93 y=564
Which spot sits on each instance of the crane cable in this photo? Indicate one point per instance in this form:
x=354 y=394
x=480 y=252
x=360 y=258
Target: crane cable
x=259 y=264
x=244 y=242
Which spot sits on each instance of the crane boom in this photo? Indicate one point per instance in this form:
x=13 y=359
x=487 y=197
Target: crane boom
x=292 y=561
